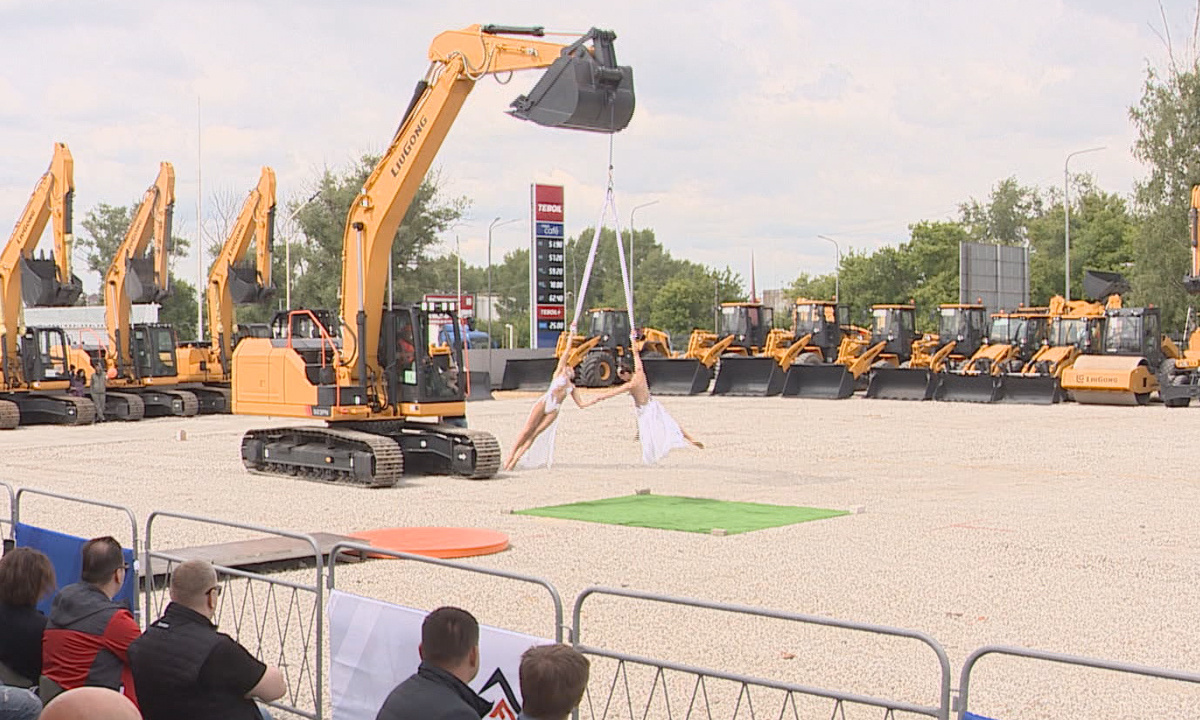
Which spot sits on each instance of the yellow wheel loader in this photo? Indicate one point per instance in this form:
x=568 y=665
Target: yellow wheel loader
x=743 y=332
x=1076 y=326
x=1013 y=338
x=889 y=341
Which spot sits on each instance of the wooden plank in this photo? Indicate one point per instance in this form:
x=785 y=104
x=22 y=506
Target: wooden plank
x=249 y=553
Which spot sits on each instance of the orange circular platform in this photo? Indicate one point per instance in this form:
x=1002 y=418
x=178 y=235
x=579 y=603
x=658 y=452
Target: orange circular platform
x=438 y=542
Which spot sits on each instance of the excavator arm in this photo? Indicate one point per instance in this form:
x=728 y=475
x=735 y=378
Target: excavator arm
x=228 y=283
x=131 y=276
x=458 y=59
x=38 y=281
x=1191 y=281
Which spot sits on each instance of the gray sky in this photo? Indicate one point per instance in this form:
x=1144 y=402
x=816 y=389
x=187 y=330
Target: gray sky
x=759 y=123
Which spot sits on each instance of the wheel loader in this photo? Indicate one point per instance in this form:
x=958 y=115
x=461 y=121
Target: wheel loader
x=1076 y=326
x=743 y=330
x=961 y=331
x=603 y=348
x=1124 y=368
x=889 y=341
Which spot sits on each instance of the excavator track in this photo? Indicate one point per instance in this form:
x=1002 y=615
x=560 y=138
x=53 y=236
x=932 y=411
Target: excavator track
x=85 y=411
x=191 y=404
x=10 y=415
x=134 y=407
x=487 y=451
x=324 y=454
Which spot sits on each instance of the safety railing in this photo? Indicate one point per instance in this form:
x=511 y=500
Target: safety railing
x=279 y=621
x=363 y=550
x=743 y=687
x=10 y=512
x=964 y=684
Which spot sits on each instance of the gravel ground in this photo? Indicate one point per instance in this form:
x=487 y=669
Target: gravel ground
x=1065 y=528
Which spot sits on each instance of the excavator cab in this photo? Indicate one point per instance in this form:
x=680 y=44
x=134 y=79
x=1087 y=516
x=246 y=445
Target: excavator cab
x=44 y=354
x=584 y=89
x=306 y=324
x=412 y=374
x=154 y=351
x=40 y=286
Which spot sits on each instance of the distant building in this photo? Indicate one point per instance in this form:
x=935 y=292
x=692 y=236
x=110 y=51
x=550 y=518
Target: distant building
x=84 y=324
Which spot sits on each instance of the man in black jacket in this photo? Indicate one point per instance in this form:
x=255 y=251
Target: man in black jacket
x=185 y=670
x=449 y=660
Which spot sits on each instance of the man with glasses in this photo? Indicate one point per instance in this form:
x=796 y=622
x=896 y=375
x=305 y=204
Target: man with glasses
x=87 y=635
x=184 y=669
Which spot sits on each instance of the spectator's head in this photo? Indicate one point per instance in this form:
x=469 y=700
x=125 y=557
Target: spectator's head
x=90 y=703
x=553 y=678
x=450 y=640
x=194 y=585
x=104 y=565
x=26 y=576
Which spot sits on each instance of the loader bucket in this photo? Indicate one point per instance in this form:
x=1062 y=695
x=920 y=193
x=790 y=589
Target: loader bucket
x=139 y=282
x=889 y=383
x=828 y=382
x=479 y=386
x=244 y=287
x=678 y=376
x=748 y=376
x=40 y=286
x=1030 y=389
x=953 y=387
x=582 y=90
x=528 y=373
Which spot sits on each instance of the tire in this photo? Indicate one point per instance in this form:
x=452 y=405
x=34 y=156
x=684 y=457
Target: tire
x=597 y=370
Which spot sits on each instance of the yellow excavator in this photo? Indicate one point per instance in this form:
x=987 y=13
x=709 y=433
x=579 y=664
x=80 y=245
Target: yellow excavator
x=888 y=342
x=204 y=368
x=385 y=402
x=139 y=358
x=35 y=364
x=1179 y=373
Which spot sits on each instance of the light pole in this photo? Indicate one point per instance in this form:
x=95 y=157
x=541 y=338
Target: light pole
x=631 y=212
x=837 y=272
x=1067 y=220
x=287 y=248
x=495 y=223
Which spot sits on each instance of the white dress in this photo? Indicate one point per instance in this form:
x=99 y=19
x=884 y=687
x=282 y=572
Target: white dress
x=541 y=452
x=658 y=431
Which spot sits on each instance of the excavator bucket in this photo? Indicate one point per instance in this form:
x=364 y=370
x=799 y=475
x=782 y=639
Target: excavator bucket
x=676 y=376
x=140 y=285
x=1030 y=389
x=479 y=386
x=528 y=373
x=888 y=383
x=245 y=288
x=40 y=286
x=954 y=387
x=748 y=376
x=827 y=382
x=582 y=90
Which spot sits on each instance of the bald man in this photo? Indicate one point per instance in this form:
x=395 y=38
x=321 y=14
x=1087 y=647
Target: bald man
x=90 y=703
x=184 y=669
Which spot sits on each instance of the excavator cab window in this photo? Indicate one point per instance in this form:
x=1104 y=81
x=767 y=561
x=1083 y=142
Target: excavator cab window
x=154 y=350
x=412 y=373
x=44 y=352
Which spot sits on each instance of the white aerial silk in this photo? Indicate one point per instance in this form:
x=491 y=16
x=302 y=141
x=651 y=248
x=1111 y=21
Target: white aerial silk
x=658 y=431
x=541 y=452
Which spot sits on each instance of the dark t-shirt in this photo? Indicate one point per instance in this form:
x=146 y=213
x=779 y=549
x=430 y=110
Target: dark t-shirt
x=230 y=668
x=21 y=640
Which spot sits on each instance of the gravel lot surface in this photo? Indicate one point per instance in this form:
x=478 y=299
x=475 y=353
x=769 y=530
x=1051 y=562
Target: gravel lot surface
x=1064 y=528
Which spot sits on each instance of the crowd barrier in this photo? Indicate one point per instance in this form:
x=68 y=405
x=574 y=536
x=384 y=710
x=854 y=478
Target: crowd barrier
x=279 y=621
x=283 y=623
x=7 y=520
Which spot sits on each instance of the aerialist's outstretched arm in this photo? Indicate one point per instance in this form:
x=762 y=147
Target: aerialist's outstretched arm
x=604 y=395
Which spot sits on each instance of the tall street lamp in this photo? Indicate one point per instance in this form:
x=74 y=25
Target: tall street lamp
x=631 y=212
x=495 y=223
x=1067 y=220
x=287 y=248
x=837 y=273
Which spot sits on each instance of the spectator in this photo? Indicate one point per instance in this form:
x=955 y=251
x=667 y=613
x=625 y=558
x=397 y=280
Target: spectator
x=26 y=576
x=99 y=389
x=553 y=679
x=184 y=669
x=90 y=703
x=88 y=635
x=449 y=653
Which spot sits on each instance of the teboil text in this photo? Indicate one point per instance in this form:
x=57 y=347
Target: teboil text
x=549 y=208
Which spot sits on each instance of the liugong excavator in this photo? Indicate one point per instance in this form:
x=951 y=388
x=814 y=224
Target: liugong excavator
x=35 y=367
x=385 y=401
x=204 y=368
x=139 y=358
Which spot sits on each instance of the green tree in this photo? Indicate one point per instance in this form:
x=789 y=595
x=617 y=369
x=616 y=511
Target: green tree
x=1168 y=144
x=1004 y=217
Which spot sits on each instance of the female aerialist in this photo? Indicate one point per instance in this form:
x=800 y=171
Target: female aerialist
x=657 y=430
x=537 y=437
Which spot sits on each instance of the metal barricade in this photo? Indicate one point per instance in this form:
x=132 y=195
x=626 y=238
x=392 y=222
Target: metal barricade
x=964 y=683
x=275 y=618
x=745 y=703
x=363 y=549
x=12 y=511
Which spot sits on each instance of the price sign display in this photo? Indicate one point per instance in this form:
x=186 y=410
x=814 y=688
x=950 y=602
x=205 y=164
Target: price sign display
x=547 y=266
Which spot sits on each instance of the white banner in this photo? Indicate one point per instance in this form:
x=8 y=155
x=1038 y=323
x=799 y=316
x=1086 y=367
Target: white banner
x=373 y=648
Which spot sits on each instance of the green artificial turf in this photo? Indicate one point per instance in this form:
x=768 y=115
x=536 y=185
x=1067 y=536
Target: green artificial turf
x=700 y=515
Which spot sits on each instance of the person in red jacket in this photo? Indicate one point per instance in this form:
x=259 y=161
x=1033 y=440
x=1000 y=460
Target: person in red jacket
x=87 y=634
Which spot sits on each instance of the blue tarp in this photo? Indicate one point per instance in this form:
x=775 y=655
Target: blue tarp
x=66 y=554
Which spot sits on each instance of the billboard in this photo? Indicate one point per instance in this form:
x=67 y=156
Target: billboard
x=996 y=275
x=547 y=289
